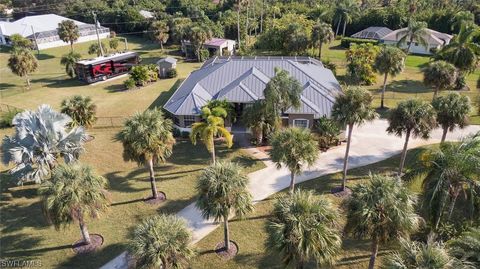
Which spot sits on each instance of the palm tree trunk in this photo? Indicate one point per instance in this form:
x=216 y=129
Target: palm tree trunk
x=383 y=89
x=161 y=45
x=85 y=234
x=344 y=27
x=292 y=182
x=435 y=93
x=320 y=51
x=226 y=233
x=444 y=135
x=261 y=16
x=238 y=24
x=345 y=160
x=152 y=179
x=373 y=257
x=409 y=45
x=456 y=192
x=247 y=38
x=27 y=80
x=71 y=46
x=300 y=264
x=404 y=153
x=213 y=150
x=338 y=26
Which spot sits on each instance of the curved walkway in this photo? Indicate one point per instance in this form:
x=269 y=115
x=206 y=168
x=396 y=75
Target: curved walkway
x=370 y=144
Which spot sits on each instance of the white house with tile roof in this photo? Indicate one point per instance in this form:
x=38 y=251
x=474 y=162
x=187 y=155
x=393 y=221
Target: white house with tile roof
x=435 y=41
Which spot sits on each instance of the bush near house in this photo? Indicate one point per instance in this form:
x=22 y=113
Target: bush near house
x=204 y=54
x=172 y=73
x=347 y=41
x=143 y=74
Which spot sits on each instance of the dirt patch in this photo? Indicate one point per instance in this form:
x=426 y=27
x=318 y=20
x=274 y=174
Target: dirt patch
x=160 y=199
x=222 y=252
x=80 y=247
x=340 y=192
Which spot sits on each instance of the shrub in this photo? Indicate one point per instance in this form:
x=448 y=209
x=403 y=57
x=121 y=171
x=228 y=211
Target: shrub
x=113 y=43
x=327 y=130
x=172 y=73
x=129 y=84
x=360 y=60
x=185 y=134
x=140 y=74
x=152 y=72
x=330 y=65
x=7 y=117
x=176 y=132
x=94 y=49
x=347 y=41
x=204 y=54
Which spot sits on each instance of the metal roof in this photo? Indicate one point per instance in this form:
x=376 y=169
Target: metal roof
x=243 y=80
x=373 y=32
x=167 y=59
x=431 y=36
x=106 y=58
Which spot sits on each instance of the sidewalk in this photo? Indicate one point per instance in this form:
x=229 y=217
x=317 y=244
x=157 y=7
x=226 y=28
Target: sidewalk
x=370 y=144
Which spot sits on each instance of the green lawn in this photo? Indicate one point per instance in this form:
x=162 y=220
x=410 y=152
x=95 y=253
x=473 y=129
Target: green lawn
x=251 y=236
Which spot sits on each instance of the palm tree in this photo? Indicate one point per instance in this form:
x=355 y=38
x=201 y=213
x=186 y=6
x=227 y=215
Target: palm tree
x=161 y=242
x=69 y=60
x=81 y=109
x=322 y=34
x=467 y=246
x=416 y=31
x=256 y=118
x=413 y=255
x=354 y=107
x=294 y=148
x=41 y=138
x=68 y=32
x=462 y=18
x=222 y=190
x=440 y=75
x=160 y=32
x=147 y=139
x=344 y=11
x=382 y=209
x=411 y=117
x=198 y=36
x=389 y=61
x=74 y=192
x=22 y=62
x=452 y=111
x=211 y=127
x=304 y=227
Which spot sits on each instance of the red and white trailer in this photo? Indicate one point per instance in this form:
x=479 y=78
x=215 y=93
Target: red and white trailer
x=105 y=67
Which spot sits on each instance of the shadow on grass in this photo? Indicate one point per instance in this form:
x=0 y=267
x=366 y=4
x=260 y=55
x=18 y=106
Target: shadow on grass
x=95 y=259
x=59 y=82
x=44 y=56
x=407 y=86
x=163 y=97
x=18 y=246
x=6 y=86
x=21 y=216
x=121 y=183
x=115 y=88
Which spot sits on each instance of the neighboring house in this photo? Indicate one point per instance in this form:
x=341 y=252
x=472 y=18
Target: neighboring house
x=435 y=40
x=165 y=65
x=42 y=30
x=147 y=14
x=373 y=32
x=216 y=47
x=242 y=80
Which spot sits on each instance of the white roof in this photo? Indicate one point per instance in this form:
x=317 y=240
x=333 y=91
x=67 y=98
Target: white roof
x=99 y=59
x=146 y=14
x=40 y=23
x=433 y=37
x=168 y=60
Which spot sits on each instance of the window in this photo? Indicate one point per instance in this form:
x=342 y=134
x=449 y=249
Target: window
x=188 y=120
x=176 y=120
x=301 y=123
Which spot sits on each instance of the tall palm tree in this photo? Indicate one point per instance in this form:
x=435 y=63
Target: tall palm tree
x=389 y=61
x=322 y=34
x=452 y=111
x=222 y=190
x=303 y=228
x=440 y=75
x=81 y=109
x=69 y=60
x=68 y=32
x=22 y=62
x=382 y=209
x=147 y=140
x=416 y=31
x=344 y=12
x=413 y=255
x=198 y=36
x=411 y=117
x=211 y=127
x=354 y=107
x=41 y=138
x=73 y=193
x=466 y=247
x=160 y=32
x=161 y=241
x=294 y=148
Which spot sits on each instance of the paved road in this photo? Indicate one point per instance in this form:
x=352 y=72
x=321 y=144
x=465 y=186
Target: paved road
x=370 y=144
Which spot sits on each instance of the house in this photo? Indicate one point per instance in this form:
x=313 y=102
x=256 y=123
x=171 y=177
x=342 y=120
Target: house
x=216 y=47
x=147 y=14
x=242 y=80
x=435 y=40
x=373 y=32
x=165 y=65
x=42 y=30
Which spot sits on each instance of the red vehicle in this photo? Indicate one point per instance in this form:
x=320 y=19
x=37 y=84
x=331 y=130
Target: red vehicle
x=103 y=68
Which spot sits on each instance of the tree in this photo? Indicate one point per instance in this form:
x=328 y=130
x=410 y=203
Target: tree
x=382 y=209
x=211 y=127
x=20 y=42
x=222 y=190
x=161 y=242
x=389 y=61
x=462 y=18
x=354 y=107
x=198 y=36
x=256 y=118
x=416 y=31
x=81 y=109
x=22 y=63
x=69 y=60
x=466 y=247
x=294 y=148
x=411 y=117
x=95 y=49
x=361 y=59
x=452 y=111
x=73 y=193
x=303 y=228
x=344 y=11
x=322 y=34
x=41 y=137
x=296 y=39
x=160 y=32
x=113 y=43
x=68 y=32
x=413 y=255
x=440 y=75
x=147 y=139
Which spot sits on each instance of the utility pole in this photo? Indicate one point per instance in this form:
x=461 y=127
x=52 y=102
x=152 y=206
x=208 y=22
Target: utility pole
x=98 y=36
x=35 y=39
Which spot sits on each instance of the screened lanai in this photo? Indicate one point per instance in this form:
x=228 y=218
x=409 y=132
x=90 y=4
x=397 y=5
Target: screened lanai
x=373 y=32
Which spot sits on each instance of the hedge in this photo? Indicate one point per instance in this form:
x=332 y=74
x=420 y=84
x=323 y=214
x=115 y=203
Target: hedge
x=346 y=41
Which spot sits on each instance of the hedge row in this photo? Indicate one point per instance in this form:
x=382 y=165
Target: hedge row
x=346 y=41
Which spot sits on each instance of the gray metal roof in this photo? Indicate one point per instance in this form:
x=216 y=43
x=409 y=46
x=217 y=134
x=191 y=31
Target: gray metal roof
x=243 y=80
x=373 y=32
x=167 y=59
